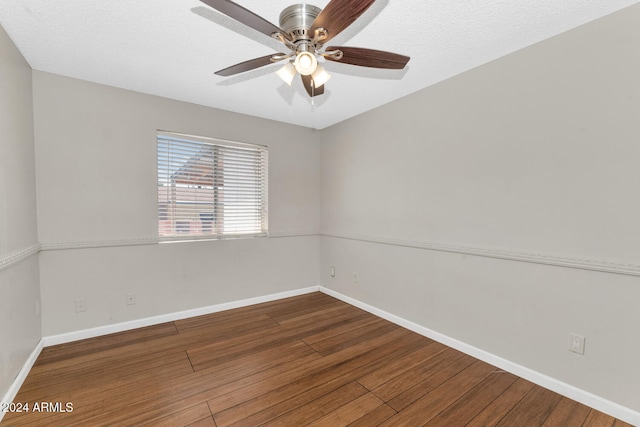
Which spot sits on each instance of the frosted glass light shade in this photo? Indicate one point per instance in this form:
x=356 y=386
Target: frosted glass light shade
x=306 y=63
x=287 y=73
x=320 y=76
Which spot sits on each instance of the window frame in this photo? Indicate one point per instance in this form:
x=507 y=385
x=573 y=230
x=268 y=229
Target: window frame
x=218 y=144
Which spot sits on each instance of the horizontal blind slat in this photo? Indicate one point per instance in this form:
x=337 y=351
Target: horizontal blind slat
x=210 y=189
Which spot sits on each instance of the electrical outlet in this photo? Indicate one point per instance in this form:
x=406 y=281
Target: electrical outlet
x=81 y=305
x=576 y=343
x=332 y=271
x=355 y=277
x=131 y=299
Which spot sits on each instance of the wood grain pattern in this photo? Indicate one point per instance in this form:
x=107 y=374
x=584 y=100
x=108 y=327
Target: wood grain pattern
x=310 y=87
x=474 y=401
x=245 y=17
x=350 y=412
x=318 y=408
x=306 y=360
x=248 y=65
x=317 y=383
x=338 y=15
x=363 y=57
x=499 y=407
x=99 y=344
x=567 y=413
x=533 y=409
x=412 y=387
x=441 y=397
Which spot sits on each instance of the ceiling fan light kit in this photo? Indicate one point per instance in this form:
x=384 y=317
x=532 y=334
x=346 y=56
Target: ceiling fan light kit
x=287 y=73
x=304 y=29
x=320 y=76
x=305 y=63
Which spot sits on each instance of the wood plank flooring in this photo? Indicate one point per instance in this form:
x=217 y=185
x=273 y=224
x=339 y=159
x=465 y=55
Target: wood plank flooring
x=307 y=360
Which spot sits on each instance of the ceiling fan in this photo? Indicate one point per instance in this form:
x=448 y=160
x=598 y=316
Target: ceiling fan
x=304 y=30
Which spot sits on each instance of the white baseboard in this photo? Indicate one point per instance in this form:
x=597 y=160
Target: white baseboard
x=22 y=375
x=616 y=410
x=603 y=405
x=170 y=317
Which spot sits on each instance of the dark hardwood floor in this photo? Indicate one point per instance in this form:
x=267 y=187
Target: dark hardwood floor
x=306 y=360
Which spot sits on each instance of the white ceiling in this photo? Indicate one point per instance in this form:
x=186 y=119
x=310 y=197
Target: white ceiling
x=171 y=48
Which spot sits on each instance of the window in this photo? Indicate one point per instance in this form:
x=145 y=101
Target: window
x=209 y=188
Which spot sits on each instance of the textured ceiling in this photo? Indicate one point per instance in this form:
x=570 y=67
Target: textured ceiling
x=171 y=48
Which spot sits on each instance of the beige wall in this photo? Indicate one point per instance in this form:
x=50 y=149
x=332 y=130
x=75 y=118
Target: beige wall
x=19 y=288
x=96 y=156
x=533 y=156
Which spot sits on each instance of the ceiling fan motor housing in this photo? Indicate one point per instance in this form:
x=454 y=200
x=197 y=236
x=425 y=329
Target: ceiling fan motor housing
x=297 y=19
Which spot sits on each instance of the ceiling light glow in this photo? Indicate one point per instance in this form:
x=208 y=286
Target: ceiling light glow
x=306 y=63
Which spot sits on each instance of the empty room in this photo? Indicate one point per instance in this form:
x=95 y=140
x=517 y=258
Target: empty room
x=355 y=212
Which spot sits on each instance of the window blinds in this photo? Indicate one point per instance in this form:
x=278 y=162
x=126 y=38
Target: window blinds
x=210 y=188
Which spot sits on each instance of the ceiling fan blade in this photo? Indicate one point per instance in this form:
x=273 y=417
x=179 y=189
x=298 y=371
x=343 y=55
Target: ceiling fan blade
x=369 y=57
x=338 y=15
x=247 y=65
x=245 y=17
x=307 y=81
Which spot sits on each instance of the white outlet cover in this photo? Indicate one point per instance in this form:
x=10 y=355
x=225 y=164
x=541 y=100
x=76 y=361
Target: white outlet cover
x=576 y=343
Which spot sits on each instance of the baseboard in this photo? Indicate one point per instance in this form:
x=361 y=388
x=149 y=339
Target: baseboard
x=603 y=405
x=170 y=317
x=22 y=375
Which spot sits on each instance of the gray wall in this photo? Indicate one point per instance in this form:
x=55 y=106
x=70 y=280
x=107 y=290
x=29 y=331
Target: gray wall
x=534 y=156
x=19 y=287
x=96 y=157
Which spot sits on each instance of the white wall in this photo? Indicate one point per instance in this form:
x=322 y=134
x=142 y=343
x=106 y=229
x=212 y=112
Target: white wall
x=19 y=289
x=96 y=156
x=533 y=157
